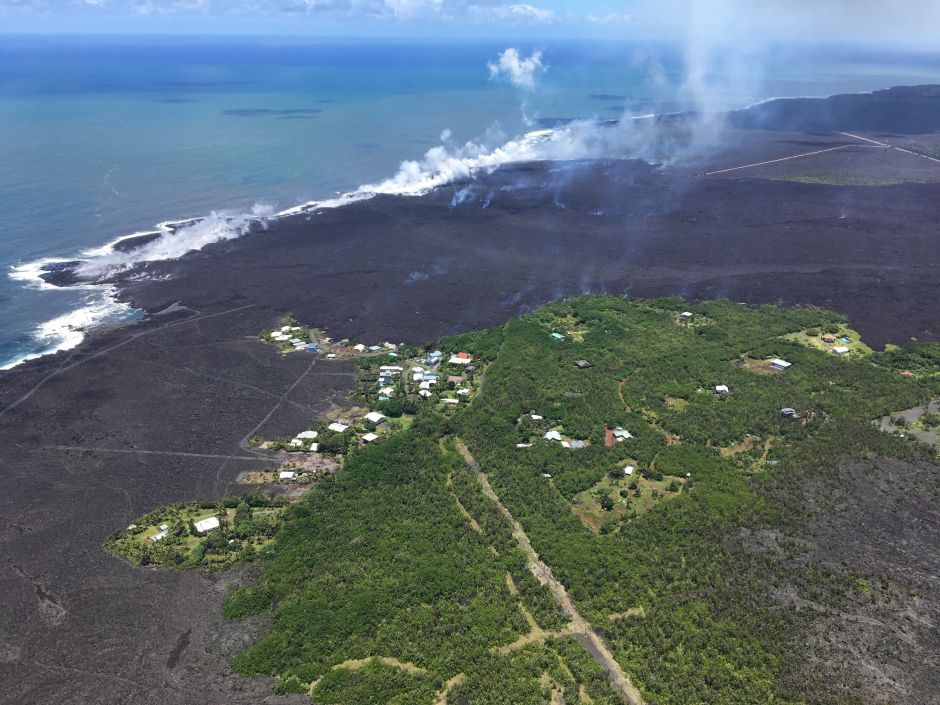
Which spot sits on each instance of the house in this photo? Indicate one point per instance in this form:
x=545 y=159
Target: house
x=686 y=315
x=828 y=338
x=331 y=356
x=621 y=435
x=535 y=417
x=523 y=445
x=565 y=444
x=159 y=536
x=338 y=427
x=285 y=329
x=471 y=368
x=424 y=393
x=576 y=444
x=392 y=369
x=314 y=447
x=296 y=443
x=206 y=525
x=451 y=401
x=431 y=378
x=370 y=438
x=628 y=470
x=295 y=341
x=779 y=364
x=389 y=346
x=558 y=336
x=312 y=347
x=582 y=364
x=463 y=392
x=788 y=413
x=375 y=348
x=424 y=385
x=374 y=417
x=417 y=376
x=840 y=350
x=721 y=389
x=454 y=379
x=359 y=347
x=286 y=475
x=461 y=358
x=552 y=436
x=387 y=391
x=307 y=435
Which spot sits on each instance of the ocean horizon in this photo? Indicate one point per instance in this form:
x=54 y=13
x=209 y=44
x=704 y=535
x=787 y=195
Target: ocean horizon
x=103 y=137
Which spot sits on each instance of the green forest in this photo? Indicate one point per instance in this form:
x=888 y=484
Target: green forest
x=398 y=580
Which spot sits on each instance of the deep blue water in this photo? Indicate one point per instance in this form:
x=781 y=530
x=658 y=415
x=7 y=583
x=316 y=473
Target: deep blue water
x=101 y=137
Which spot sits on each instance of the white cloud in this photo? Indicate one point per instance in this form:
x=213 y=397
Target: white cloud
x=518 y=71
x=613 y=18
x=414 y=8
x=518 y=12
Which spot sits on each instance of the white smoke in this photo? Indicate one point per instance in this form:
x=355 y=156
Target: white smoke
x=518 y=71
x=215 y=227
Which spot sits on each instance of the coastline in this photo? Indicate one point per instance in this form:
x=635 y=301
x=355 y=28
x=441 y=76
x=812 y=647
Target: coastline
x=415 y=179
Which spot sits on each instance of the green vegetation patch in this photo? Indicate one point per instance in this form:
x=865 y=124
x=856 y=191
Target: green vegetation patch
x=236 y=529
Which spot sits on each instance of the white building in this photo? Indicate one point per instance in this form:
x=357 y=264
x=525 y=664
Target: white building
x=286 y=475
x=552 y=436
x=370 y=438
x=307 y=435
x=840 y=350
x=779 y=364
x=451 y=401
x=338 y=427
x=206 y=525
x=628 y=470
x=721 y=389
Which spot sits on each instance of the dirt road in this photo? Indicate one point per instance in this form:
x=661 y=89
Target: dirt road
x=580 y=628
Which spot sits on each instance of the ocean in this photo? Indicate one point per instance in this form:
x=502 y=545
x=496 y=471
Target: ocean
x=102 y=137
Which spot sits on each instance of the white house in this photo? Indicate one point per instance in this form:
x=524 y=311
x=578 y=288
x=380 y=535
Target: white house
x=622 y=434
x=779 y=364
x=451 y=401
x=840 y=350
x=285 y=329
x=424 y=393
x=338 y=427
x=721 y=389
x=359 y=347
x=159 y=536
x=307 y=435
x=387 y=391
x=523 y=445
x=375 y=417
x=296 y=443
x=685 y=315
x=628 y=470
x=206 y=525
x=535 y=417
x=552 y=436
x=315 y=447
x=370 y=438
x=463 y=392
x=286 y=475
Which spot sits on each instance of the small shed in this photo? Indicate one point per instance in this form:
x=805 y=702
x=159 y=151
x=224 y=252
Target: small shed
x=424 y=393
x=779 y=364
x=307 y=435
x=722 y=389
x=370 y=438
x=338 y=427
x=628 y=470
x=788 y=413
x=558 y=336
x=286 y=475
x=840 y=350
x=451 y=401
x=582 y=364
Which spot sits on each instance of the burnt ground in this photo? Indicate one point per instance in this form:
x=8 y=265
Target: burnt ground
x=98 y=445
x=93 y=438
x=413 y=268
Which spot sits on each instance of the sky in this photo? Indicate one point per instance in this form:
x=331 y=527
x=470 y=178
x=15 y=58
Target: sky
x=912 y=22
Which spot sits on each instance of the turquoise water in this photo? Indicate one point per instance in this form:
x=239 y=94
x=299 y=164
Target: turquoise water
x=102 y=137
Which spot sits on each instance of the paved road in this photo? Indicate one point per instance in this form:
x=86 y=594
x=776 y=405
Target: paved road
x=580 y=628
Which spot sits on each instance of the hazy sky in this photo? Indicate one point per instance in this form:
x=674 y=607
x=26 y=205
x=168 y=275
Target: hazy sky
x=908 y=21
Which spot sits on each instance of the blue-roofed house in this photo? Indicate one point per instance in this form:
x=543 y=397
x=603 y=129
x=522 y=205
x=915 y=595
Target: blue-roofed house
x=312 y=347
